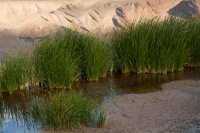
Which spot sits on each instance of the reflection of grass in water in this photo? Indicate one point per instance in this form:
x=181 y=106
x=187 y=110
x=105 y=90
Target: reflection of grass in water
x=66 y=111
x=145 y=83
x=99 y=117
x=16 y=109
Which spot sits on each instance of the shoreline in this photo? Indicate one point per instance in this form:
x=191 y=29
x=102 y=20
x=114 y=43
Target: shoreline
x=173 y=109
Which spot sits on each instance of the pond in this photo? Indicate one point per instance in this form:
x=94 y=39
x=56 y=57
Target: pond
x=15 y=110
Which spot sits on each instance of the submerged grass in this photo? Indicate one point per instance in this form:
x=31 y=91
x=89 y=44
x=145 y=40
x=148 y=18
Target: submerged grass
x=16 y=72
x=65 y=111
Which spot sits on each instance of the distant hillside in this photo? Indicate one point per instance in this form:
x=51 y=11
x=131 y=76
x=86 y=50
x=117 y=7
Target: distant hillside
x=38 y=18
x=185 y=8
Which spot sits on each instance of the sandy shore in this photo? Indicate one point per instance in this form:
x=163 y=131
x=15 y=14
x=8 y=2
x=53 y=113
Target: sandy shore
x=175 y=109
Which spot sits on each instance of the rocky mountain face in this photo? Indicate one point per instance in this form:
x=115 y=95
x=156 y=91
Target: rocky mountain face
x=38 y=18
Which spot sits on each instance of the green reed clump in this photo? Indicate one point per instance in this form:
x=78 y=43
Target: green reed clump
x=194 y=42
x=16 y=72
x=0 y=78
x=56 y=61
x=95 y=59
x=168 y=49
x=64 y=111
x=151 y=46
x=130 y=46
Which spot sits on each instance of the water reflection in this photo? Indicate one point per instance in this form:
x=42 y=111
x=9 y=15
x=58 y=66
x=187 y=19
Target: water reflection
x=133 y=83
x=15 y=113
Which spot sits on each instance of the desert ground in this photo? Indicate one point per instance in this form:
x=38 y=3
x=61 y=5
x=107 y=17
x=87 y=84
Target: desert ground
x=175 y=109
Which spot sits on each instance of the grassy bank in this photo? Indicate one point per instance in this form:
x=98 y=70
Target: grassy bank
x=149 y=46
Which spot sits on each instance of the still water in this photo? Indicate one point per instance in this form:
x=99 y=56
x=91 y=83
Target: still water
x=15 y=112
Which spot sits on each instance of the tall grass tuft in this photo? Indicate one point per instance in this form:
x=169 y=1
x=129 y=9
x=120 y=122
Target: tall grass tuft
x=152 y=46
x=16 y=72
x=130 y=46
x=169 y=41
x=95 y=59
x=56 y=61
x=64 y=111
x=194 y=42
